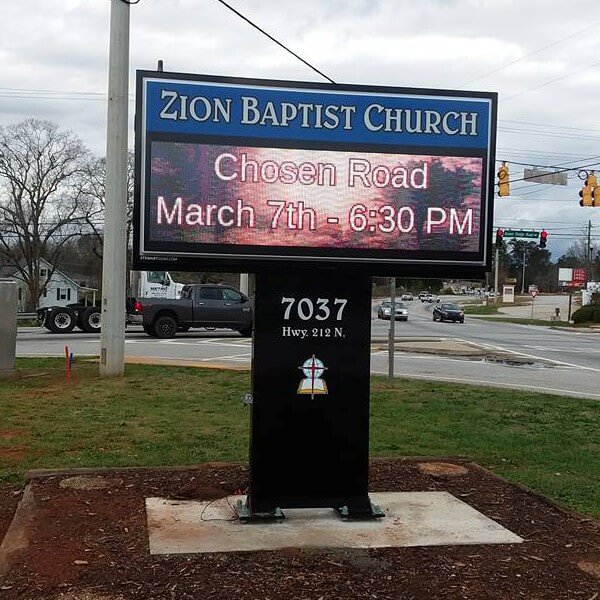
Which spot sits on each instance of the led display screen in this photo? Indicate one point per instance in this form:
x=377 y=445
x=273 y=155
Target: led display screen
x=242 y=174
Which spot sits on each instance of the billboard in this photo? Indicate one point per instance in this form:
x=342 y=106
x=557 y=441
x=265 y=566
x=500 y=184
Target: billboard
x=572 y=278
x=239 y=174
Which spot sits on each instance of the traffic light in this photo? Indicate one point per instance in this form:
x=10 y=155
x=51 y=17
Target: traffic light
x=503 y=182
x=543 y=238
x=499 y=238
x=590 y=192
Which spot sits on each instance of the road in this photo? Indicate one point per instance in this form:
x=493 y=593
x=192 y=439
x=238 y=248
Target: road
x=561 y=362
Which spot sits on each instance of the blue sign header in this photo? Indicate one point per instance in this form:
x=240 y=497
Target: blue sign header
x=316 y=115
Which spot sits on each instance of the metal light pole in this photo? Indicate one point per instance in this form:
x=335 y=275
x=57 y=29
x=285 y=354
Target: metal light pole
x=523 y=279
x=392 y=331
x=112 y=340
x=496 y=294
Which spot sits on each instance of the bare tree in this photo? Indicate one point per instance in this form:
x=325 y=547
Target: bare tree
x=582 y=250
x=92 y=187
x=40 y=209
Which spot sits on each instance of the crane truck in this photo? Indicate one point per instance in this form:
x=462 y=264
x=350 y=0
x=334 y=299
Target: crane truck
x=144 y=284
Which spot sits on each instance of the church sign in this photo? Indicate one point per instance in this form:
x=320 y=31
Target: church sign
x=239 y=174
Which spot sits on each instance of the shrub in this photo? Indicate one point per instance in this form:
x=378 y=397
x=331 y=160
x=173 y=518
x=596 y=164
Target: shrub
x=448 y=291
x=587 y=314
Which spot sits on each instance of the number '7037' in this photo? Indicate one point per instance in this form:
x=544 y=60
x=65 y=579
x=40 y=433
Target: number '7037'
x=306 y=309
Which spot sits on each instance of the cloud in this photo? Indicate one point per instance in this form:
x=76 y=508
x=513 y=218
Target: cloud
x=62 y=45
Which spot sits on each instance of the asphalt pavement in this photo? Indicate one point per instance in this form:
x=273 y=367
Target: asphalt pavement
x=550 y=360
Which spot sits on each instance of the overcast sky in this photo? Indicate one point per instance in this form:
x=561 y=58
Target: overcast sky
x=541 y=56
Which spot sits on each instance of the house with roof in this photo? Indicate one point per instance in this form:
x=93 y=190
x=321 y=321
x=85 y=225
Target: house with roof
x=59 y=290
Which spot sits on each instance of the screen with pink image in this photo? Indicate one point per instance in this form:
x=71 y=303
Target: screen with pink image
x=339 y=201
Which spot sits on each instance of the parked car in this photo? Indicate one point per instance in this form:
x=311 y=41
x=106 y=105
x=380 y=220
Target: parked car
x=447 y=311
x=407 y=297
x=200 y=305
x=385 y=311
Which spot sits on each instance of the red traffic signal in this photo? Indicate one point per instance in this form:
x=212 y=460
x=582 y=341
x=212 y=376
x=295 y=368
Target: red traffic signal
x=543 y=238
x=499 y=237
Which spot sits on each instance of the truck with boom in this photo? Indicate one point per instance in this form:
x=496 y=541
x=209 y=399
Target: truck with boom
x=84 y=316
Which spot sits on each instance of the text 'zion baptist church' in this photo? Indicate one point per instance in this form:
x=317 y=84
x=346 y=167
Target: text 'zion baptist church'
x=374 y=117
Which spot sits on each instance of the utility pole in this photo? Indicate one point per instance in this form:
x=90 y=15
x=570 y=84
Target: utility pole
x=496 y=294
x=244 y=284
x=590 y=252
x=112 y=339
x=392 y=331
x=523 y=278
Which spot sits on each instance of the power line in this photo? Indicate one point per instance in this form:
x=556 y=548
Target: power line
x=542 y=49
x=528 y=164
x=544 y=125
x=239 y=14
x=541 y=85
x=553 y=134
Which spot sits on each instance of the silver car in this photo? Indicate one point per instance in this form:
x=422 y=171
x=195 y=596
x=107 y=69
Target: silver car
x=385 y=311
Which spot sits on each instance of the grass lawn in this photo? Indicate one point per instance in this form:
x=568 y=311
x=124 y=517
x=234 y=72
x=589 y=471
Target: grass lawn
x=480 y=309
x=541 y=322
x=486 y=309
x=182 y=416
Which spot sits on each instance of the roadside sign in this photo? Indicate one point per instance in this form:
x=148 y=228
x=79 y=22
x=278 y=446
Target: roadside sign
x=521 y=233
x=508 y=294
x=240 y=174
x=572 y=278
x=534 y=294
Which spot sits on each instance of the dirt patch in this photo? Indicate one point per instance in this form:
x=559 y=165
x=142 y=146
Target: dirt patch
x=83 y=482
x=593 y=568
x=11 y=434
x=95 y=542
x=84 y=595
x=442 y=469
x=12 y=454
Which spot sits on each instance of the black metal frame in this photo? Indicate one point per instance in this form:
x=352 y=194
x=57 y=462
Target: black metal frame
x=173 y=256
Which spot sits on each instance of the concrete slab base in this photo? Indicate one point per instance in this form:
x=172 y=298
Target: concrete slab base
x=412 y=519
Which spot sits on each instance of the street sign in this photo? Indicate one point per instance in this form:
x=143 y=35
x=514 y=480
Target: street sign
x=521 y=233
x=545 y=177
x=534 y=294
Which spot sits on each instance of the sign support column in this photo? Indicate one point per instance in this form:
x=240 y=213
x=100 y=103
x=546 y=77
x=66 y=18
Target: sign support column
x=392 y=330
x=309 y=443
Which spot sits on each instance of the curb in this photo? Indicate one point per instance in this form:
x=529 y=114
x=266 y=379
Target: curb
x=398 y=340
x=183 y=362
x=34 y=474
x=16 y=537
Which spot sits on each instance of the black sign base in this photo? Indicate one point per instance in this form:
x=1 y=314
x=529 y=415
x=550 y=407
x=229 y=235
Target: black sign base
x=246 y=515
x=309 y=443
x=348 y=514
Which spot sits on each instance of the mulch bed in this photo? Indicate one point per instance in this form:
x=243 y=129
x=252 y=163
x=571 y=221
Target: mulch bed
x=92 y=544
